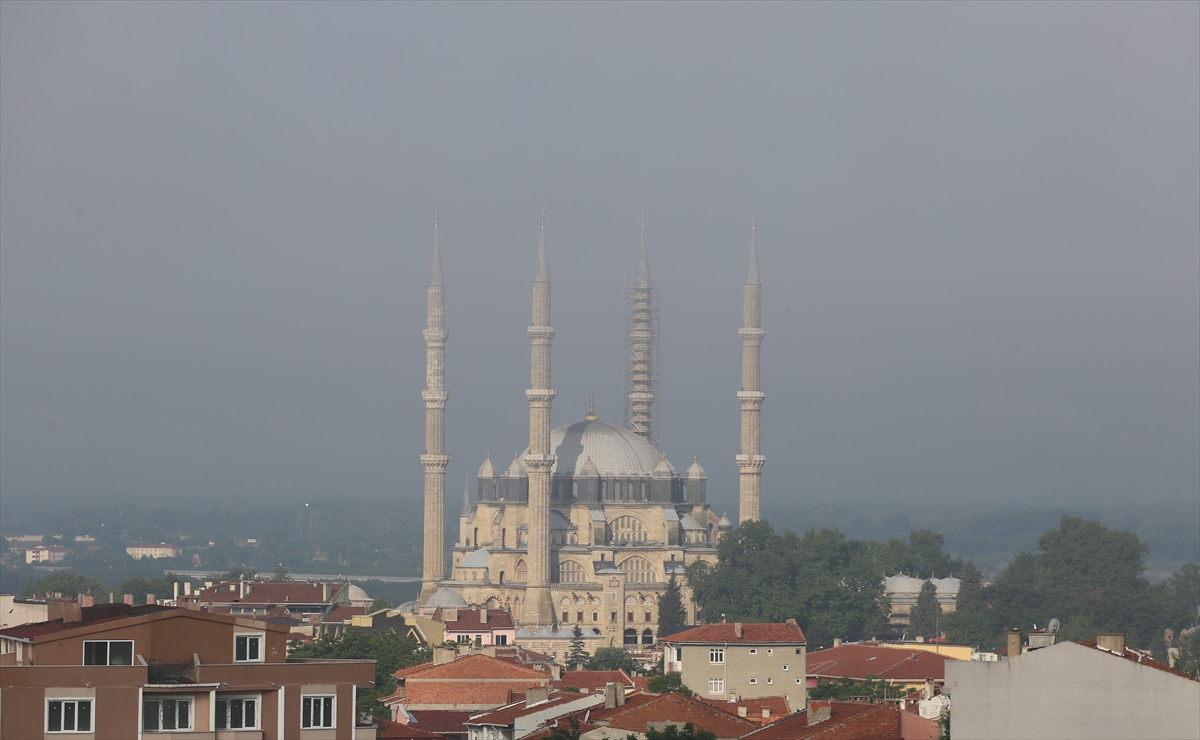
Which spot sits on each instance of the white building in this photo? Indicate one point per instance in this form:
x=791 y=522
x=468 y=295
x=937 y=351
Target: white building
x=1088 y=689
x=150 y=550
x=46 y=554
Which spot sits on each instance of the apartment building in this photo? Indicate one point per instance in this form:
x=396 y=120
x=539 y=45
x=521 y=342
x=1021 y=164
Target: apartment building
x=734 y=660
x=118 y=671
x=47 y=554
x=154 y=550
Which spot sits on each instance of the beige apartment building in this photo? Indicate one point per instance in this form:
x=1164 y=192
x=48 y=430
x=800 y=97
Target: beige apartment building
x=736 y=660
x=154 y=550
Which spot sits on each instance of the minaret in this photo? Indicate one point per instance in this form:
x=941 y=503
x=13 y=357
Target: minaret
x=538 y=609
x=435 y=459
x=750 y=461
x=641 y=350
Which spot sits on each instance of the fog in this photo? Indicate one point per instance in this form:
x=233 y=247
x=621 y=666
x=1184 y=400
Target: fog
x=977 y=224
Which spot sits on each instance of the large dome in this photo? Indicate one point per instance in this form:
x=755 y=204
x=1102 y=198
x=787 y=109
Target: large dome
x=616 y=452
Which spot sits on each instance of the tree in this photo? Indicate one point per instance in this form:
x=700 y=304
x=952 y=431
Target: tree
x=378 y=604
x=970 y=588
x=874 y=688
x=672 y=732
x=566 y=733
x=281 y=575
x=577 y=655
x=66 y=583
x=611 y=659
x=669 y=683
x=390 y=651
x=672 y=617
x=923 y=621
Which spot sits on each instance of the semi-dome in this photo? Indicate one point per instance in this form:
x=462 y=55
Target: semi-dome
x=902 y=584
x=446 y=599
x=948 y=586
x=615 y=452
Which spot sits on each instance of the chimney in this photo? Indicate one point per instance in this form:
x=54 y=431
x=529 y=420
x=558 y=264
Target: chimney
x=150 y=599
x=483 y=615
x=722 y=619
x=555 y=671
x=536 y=695
x=88 y=599
x=742 y=710
x=187 y=588
x=1111 y=641
x=614 y=695
x=1014 y=643
x=324 y=592
x=766 y=713
x=927 y=693
x=241 y=589
x=129 y=599
x=449 y=615
x=444 y=655
x=837 y=642
x=175 y=591
x=737 y=630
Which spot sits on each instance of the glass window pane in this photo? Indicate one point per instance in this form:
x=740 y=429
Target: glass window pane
x=250 y=707
x=168 y=714
x=252 y=647
x=328 y=712
x=149 y=715
x=120 y=653
x=222 y=714
x=55 y=722
x=68 y=715
x=95 y=653
x=85 y=717
x=235 y=714
x=185 y=712
x=306 y=712
x=240 y=648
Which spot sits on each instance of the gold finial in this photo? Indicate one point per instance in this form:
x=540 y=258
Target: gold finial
x=591 y=414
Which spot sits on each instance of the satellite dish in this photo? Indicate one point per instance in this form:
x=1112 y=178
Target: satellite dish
x=1052 y=628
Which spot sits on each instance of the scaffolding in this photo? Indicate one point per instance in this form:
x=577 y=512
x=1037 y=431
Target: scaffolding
x=641 y=356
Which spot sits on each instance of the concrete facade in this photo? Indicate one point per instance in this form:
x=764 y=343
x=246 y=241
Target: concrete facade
x=728 y=661
x=1071 y=690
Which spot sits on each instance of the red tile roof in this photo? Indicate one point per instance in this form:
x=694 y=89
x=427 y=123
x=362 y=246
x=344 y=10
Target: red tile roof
x=342 y=613
x=641 y=709
x=506 y=715
x=847 y=721
x=389 y=730
x=438 y=720
x=592 y=681
x=258 y=592
x=776 y=705
x=87 y=615
x=752 y=632
x=471 y=666
x=468 y=620
x=1136 y=656
x=861 y=660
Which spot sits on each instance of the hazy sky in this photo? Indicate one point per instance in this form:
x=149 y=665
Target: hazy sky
x=978 y=229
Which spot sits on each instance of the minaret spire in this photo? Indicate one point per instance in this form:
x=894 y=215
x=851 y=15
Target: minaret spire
x=538 y=610
x=641 y=349
x=435 y=459
x=750 y=461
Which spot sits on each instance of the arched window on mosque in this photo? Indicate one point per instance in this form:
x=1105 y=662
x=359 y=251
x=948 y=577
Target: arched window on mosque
x=626 y=530
x=522 y=572
x=638 y=570
x=570 y=571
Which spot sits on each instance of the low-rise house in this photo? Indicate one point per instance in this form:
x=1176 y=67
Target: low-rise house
x=259 y=598
x=589 y=682
x=118 y=671
x=763 y=709
x=641 y=712
x=154 y=550
x=519 y=719
x=474 y=682
x=904 y=668
x=843 y=720
x=477 y=626
x=47 y=554
x=1088 y=689
x=751 y=659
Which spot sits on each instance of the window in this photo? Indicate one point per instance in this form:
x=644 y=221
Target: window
x=647 y=615
x=501 y=639
x=316 y=712
x=614 y=617
x=239 y=713
x=798 y=650
x=566 y=617
x=753 y=680
x=626 y=529
x=797 y=680
x=770 y=681
x=716 y=686
x=770 y=651
x=247 y=648
x=579 y=616
x=69 y=715
x=716 y=655
x=638 y=570
x=571 y=572
x=785 y=666
x=595 y=616
x=108 y=652
x=166 y=714
x=464 y=639
x=754 y=651
x=629 y=617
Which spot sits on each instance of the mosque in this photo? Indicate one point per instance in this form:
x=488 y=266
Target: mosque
x=588 y=523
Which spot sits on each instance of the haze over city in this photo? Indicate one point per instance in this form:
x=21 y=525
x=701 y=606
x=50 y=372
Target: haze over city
x=977 y=227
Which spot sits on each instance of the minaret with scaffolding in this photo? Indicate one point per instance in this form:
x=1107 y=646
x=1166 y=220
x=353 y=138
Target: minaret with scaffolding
x=641 y=350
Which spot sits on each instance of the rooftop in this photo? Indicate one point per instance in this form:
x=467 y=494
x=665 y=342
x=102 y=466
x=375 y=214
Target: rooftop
x=751 y=632
x=860 y=660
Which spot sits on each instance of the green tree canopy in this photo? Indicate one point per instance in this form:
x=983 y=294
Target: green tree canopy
x=925 y=615
x=672 y=732
x=669 y=683
x=672 y=617
x=577 y=655
x=611 y=659
x=68 y=584
x=970 y=588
